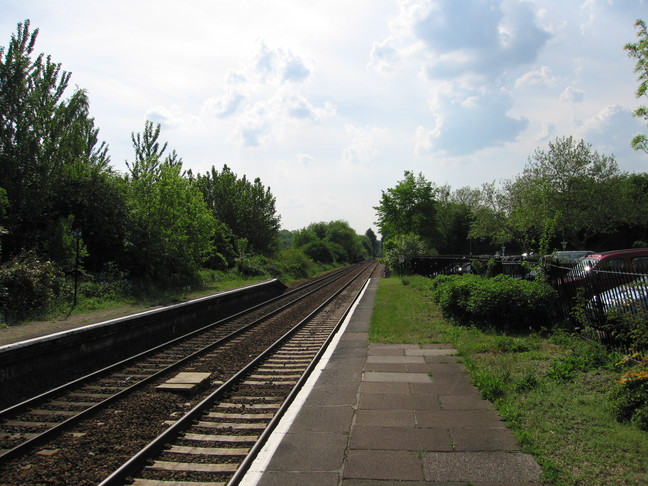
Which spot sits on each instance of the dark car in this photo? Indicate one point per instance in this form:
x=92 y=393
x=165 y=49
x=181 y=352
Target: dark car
x=631 y=297
x=634 y=260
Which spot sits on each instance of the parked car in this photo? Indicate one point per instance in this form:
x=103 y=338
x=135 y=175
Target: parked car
x=631 y=297
x=568 y=257
x=633 y=261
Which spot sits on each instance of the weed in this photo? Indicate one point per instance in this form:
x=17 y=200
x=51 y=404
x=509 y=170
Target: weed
x=508 y=344
x=528 y=382
x=491 y=386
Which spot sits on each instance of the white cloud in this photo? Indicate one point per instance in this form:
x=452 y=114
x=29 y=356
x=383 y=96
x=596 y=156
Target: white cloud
x=572 y=95
x=225 y=105
x=362 y=148
x=265 y=94
x=305 y=159
x=171 y=117
x=611 y=130
x=480 y=37
x=541 y=76
x=473 y=122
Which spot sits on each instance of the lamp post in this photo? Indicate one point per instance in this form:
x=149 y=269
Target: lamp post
x=77 y=236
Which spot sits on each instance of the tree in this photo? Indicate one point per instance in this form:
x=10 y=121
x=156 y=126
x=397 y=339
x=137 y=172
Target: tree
x=170 y=230
x=639 y=51
x=247 y=208
x=401 y=250
x=373 y=240
x=453 y=223
x=408 y=208
x=490 y=217
x=44 y=139
x=569 y=192
x=331 y=242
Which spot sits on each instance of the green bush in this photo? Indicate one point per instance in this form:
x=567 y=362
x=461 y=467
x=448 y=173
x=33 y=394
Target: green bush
x=628 y=329
x=296 y=264
x=491 y=386
x=629 y=398
x=257 y=266
x=28 y=286
x=500 y=302
x=320 y=251
x=585 y=356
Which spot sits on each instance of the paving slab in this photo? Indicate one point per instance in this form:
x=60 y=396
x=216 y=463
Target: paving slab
x=401 y=439
x=511 y=467
x=385 y=358
x=312 y=451
x=387 y=377
x=380 y=465
x=396 y=414
x=299 y=478
x=393 y=401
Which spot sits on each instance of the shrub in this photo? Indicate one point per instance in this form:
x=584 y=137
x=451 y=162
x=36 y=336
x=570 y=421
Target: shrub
x=320 y=251
x=629 y=398
x=491 y=386
x=257 y=266
x=628 y=329
x=508 y=344
x=295 y=263
x=501 y=302
x=28 y=286
x=585 y=356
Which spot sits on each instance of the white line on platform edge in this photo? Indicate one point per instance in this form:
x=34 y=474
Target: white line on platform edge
x=262 y=460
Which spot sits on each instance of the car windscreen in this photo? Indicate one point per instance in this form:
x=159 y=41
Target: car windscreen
x=584 y=266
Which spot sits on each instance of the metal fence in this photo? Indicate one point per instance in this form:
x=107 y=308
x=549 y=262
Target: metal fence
x=585 y=298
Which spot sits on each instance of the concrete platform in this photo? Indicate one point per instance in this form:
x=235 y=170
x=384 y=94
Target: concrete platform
x=387 y=414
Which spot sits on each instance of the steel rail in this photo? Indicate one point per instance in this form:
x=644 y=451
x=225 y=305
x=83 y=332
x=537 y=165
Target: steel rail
x=45 y=435
x=154 y=448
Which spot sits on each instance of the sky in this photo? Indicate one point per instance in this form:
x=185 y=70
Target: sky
x=330 y=102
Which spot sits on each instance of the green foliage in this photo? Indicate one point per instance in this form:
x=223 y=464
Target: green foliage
x=509 y=344
x=409 y=208
x=247 y=208
x=584 y=357
x=28 y=286
x=296 y=264
x=41 y=136
x=170 y=230
x=628 y=329
x=320 y=251
x=374 y=244
x=501 y=302
x=629 y=397
x=400 y=250
x=332 y=242
x=491 y=386
x=639 y=51
x=256 y=266
x=61 y=247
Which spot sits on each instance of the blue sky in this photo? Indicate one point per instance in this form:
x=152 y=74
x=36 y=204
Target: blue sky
x=328 y=103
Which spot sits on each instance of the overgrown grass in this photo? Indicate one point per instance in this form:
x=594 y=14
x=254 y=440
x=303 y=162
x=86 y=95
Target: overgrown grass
x=552 y=389
x=397 y=317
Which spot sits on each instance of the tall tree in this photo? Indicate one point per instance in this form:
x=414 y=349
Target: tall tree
x=568 y=192
x=373 y=240
x=248 y=208
x=170 y=229
x=409 y=208
x=639 y=51
x=42 y=136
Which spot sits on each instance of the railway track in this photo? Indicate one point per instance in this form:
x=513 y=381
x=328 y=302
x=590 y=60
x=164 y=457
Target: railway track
x=201 y=366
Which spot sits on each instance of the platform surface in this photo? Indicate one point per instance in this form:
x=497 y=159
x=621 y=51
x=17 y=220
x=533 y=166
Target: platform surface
x=395 y=414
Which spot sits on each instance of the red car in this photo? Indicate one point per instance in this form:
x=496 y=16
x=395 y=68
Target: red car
x=631 y=261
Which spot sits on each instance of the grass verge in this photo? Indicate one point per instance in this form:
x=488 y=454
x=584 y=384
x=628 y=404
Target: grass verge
x=551 y=389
